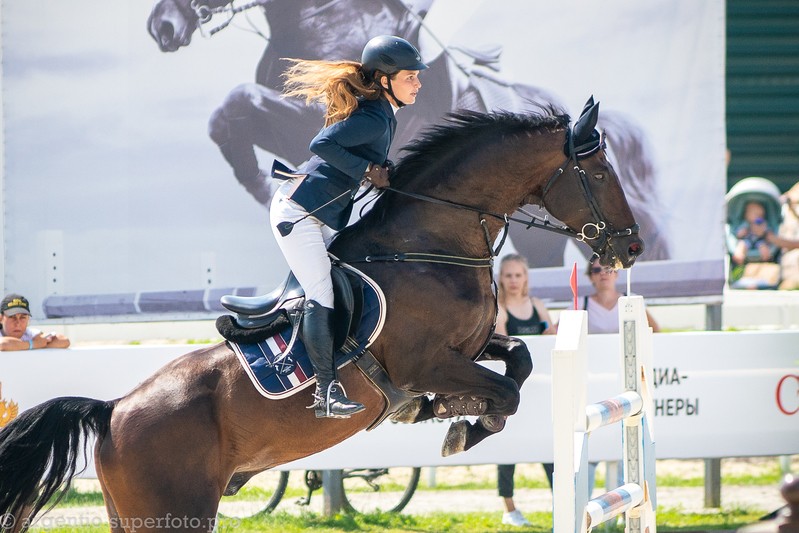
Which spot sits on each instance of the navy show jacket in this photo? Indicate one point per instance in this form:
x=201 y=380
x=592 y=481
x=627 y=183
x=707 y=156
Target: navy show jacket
x=342 y=152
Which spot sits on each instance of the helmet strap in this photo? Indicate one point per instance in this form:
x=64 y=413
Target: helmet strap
x=390 y=91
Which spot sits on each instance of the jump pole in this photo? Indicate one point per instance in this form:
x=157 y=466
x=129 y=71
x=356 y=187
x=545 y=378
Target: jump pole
x=574 y=419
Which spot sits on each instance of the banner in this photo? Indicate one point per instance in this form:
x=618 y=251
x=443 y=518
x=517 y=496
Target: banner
x=716 y=394
x=137 y=140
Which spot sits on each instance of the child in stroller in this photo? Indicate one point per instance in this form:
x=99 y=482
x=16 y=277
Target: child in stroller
x=752 y=236
x=753 y=215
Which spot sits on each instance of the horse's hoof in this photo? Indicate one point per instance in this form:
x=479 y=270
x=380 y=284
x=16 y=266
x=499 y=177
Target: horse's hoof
x=493 y=423
x=455 y=440
x=408 y=413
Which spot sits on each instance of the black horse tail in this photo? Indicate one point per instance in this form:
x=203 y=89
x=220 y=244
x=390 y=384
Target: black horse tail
x=39 y=451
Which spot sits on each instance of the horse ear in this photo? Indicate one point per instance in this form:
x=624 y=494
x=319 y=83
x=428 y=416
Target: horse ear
x=588 y=105
x=586 y=124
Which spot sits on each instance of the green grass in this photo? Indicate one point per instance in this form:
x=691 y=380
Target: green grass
x=667 y=520
x=771 y=478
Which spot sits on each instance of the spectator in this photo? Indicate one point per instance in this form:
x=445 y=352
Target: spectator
x=602 y=306
x=752 y=234
x=519 y=314
x=16 y=335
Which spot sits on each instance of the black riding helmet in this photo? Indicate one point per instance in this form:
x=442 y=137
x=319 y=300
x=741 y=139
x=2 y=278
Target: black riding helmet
x=389 y=54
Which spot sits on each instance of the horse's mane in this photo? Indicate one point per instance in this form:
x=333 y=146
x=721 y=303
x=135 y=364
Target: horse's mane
x=459 y=134
x=462 y=129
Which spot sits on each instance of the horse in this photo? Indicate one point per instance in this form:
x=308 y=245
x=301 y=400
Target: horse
x=254 y=115
x=197 y=429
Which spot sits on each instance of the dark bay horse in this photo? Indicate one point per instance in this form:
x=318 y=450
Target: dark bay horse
x=197 y=429
x=254 y=116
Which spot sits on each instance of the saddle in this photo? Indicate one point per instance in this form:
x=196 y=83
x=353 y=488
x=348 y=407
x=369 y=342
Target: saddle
x=264 y=336
x=257 y=317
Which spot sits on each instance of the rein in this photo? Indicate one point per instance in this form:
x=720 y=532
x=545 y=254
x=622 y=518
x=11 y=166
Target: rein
x=591 y=231
x=205 y=13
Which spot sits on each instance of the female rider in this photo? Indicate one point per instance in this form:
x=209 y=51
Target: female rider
x=308 y=210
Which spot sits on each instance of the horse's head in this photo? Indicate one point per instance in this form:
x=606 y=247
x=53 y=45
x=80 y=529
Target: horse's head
x=172 y=23
x=585 y=194
x=311 y=29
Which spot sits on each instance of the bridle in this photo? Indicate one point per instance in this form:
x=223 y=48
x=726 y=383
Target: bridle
x=205 y=13
x=591 y=231
x=594 y=234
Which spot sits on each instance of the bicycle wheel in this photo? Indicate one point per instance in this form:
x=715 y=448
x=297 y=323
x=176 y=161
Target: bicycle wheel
x=368 y=490
x=260 y=495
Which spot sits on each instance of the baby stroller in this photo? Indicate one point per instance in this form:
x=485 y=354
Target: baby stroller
x=754 y=273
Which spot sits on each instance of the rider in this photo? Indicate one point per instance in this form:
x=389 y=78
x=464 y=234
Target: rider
x=309 y=209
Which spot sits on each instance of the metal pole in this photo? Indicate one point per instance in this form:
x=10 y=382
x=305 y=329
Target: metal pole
x=713 y=466
x=333 y=494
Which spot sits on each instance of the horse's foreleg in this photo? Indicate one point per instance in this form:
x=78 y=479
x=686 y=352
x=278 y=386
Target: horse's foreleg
x=518 y=366
x=492 y=400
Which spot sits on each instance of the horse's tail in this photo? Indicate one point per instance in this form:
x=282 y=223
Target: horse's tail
x=39 y=451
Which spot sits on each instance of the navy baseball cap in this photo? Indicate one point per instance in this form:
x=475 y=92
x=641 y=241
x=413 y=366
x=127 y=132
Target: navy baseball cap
x=14 y=304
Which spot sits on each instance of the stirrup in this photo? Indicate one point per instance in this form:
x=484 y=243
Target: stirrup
x=323 y=405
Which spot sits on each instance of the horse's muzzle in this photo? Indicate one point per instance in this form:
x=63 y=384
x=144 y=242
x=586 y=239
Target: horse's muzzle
x=622 y=251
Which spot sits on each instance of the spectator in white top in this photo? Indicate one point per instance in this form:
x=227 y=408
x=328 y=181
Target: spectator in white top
x=603 y=305
x=15 y=315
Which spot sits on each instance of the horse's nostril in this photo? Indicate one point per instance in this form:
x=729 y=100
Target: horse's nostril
x=635 y=249
x=166 y=33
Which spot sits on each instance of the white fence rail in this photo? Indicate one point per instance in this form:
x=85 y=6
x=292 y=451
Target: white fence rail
x=574 y=420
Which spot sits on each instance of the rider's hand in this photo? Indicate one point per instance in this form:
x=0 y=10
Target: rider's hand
x=377 y=176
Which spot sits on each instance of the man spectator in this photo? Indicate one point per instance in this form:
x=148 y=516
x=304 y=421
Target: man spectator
x=15 y=315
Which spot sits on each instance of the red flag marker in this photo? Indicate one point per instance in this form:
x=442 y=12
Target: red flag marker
x=573 y=283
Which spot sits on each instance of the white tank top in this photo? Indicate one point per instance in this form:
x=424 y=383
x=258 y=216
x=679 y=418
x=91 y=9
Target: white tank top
x=601 y=320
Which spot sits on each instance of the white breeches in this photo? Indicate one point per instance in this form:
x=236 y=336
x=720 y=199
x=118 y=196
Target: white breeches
x=305 y=248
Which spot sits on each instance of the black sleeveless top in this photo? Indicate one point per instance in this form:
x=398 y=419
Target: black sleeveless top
x=531 y=326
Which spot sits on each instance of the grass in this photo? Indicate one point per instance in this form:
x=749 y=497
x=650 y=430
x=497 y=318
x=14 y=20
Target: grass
x=766 y=473
x=485 y=522
x=740 y=472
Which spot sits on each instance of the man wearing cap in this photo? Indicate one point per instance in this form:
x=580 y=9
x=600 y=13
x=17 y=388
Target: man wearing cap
x=16 y=335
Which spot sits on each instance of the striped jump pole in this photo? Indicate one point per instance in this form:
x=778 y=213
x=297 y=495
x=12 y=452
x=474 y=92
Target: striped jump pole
x=574 y=419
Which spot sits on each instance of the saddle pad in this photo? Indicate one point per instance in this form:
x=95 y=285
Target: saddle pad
x=275 y=376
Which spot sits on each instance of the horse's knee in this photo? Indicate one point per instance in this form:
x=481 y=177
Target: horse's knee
x=238 y=104
x=523 y=360
x=218 y=127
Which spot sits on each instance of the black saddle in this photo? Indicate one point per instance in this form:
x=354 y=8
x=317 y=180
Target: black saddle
x=257 y=313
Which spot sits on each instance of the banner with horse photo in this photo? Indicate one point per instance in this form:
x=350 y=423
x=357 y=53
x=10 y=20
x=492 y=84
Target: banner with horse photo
x=139 y=138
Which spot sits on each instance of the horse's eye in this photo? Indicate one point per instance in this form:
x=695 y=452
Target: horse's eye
x=599 y=176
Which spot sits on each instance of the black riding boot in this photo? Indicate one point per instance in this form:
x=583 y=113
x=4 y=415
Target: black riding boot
x=317 y=333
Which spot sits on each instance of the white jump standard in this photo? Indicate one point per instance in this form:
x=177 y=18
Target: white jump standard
x=574 y=419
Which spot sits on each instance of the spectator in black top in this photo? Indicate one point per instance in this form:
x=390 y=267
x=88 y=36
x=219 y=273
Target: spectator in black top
x=519 y=314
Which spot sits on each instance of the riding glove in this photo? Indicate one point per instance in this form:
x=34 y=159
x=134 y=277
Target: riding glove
x=377 y=175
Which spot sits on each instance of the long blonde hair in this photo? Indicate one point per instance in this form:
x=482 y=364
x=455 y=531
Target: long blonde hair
x=501 y=296
x=336 y=84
